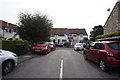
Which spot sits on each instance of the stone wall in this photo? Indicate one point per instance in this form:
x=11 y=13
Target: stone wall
x=112 y=22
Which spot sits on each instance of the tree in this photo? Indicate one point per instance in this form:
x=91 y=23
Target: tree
x=34 y=27
x=97 y=30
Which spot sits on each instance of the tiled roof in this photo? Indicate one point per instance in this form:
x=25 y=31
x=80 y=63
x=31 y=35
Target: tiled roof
x=10 y=25
x=67 y=31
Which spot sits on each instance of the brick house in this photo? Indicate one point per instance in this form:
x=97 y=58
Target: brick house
x=62 y=35
x=113 y=22
x=8 y=31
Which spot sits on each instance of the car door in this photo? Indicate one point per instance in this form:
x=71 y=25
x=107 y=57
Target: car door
x=96 y=51
x=89 y=51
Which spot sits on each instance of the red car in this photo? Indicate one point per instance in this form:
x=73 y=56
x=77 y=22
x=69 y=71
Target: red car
x=41 y=48
x=105 y=53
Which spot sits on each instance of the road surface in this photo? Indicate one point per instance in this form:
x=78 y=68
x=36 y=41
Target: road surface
x=61 y=63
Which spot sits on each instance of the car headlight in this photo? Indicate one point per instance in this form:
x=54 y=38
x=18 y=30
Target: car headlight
x=14 y=55
x=44 y=48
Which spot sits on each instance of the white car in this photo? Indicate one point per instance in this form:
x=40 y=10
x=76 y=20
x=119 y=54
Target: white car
x=78 y=46
x=8 y=60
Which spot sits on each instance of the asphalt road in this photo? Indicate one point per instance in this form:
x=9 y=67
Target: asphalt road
x=61 y=63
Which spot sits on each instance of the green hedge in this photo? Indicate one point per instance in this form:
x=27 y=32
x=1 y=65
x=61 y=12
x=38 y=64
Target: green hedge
x=11 y=44
x=108 y=35
x=67 y=44
x=56 y=44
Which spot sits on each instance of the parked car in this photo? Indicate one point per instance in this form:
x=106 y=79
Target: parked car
x=105 y=53
x=78 y=46
x=8 y=60
x=52 y=45
x=61 y=44
x=41 y=48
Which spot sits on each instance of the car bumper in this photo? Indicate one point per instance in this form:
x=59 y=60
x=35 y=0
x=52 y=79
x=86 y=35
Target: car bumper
x=40 y=51
x=16 y=61
x=52 y=48
x=112 y=62
x=78 y=49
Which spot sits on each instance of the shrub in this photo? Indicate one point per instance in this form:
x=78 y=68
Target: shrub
x=11 y=44
x=108 y=35
x=67 y=44
x=56 y=44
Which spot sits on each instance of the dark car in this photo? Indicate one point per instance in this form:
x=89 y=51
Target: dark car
x=41 y=48
x=105 y=53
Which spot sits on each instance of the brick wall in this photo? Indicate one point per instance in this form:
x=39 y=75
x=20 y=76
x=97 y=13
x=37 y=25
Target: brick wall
x=111 y=24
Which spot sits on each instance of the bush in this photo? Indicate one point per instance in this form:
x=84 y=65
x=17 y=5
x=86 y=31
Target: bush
x=108 y=35
x=67 y=44
x=56 y=44
x=11 y=44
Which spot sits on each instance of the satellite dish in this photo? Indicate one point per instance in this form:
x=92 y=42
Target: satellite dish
x=108 y=9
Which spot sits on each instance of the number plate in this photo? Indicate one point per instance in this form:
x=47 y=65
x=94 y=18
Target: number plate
x=37 y=50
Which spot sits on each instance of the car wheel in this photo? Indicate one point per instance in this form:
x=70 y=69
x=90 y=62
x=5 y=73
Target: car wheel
x=7 y=67
x=103 y=65
x=85 y=56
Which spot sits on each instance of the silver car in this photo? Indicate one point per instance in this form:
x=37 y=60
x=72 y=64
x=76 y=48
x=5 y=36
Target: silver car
x=52 y=45
x=78 y=46
x=8 y=60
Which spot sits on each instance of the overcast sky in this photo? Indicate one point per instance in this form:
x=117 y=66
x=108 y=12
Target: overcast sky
x=64 y=13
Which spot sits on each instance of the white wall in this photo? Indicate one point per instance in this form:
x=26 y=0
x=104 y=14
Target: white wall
x=75 y=40
x=61 y=38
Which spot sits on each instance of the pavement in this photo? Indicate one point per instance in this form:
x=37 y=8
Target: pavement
x=25 y=57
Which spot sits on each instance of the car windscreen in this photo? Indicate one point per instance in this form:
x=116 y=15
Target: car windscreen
x=78 y=44
x=115 y=46
x=41 y=44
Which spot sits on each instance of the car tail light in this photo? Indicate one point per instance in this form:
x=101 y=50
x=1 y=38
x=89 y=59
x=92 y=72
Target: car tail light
x=110 y=54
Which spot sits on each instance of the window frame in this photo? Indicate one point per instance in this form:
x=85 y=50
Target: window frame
x=98 y=44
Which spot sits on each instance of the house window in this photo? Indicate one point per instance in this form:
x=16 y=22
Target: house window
x=74 y=35
x=54 y=40
x=70 y=35
x=81 y=35
x=61 y=34
x=6 y=30
x=10 y=31
x=53 y=34
x=5 y=38
x=63 y=40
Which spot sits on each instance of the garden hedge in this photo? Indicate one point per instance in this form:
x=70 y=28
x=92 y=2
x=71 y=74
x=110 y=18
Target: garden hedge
x=11 y=44
x=108 y=35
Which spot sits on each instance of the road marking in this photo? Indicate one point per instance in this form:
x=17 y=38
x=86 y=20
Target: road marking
x=61 y=70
